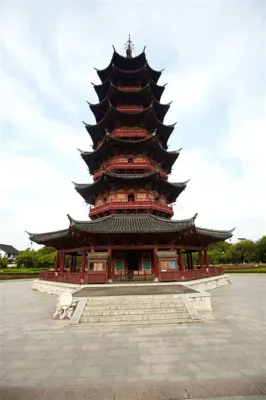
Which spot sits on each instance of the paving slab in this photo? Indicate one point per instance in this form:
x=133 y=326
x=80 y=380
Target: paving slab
x=41 y=358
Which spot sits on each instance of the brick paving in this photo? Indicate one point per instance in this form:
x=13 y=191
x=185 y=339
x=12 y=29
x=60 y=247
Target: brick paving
x=45 y=359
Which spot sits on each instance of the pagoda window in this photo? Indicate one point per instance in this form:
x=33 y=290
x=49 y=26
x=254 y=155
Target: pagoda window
x=131 y=197
x=105 y=199
x=121 y=197
x=141 y=196
x=130 y=160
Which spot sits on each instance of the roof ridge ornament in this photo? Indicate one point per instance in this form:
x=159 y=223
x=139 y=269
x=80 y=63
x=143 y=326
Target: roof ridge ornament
x=129 y=47
x=194 y=217
x=71 y=220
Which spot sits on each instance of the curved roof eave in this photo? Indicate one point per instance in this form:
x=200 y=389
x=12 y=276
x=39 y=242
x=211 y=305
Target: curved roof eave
x=120 y=57
x=42 y=237
x=101 y=87
x=214 y=233
x=80 y=187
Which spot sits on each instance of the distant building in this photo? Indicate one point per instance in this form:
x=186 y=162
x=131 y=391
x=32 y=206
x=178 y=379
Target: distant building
x=9 y=252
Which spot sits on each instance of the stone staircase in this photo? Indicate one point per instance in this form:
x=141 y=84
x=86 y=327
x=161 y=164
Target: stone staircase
x=138 y=310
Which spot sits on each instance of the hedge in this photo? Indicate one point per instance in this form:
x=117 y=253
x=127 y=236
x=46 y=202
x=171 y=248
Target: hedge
x=246 y=271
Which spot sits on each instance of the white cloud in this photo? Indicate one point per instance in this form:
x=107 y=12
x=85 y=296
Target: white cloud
x=210 y=52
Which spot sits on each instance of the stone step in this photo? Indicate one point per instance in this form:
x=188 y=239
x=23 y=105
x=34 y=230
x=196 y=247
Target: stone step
x=146 y=300
x=87 y=324
x=134 y=299
x=136 y=311
x=131 y=306
x=135 y=317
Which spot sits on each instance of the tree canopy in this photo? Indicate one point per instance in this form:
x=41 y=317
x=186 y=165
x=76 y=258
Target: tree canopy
x=245 y=251
x=42 y=258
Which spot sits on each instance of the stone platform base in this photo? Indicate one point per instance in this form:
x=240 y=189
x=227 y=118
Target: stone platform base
x=158 y=298
x=200 y=285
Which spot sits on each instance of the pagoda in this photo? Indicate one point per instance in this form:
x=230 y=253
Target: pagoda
x=130 y=234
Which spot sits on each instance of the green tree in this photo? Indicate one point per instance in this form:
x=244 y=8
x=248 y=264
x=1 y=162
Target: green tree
x=219 y=253
x=45 y=257
x=260 y=247
x=26 y=259
x=3 y=262
x=244 y=252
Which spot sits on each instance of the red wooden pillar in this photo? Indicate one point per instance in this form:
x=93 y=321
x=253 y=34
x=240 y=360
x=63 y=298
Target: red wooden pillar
x=109 y=265
x=155 y=263
x=206 y=260
x=57 y=260
x=83 y=262
x=201 y=260
x=62 y=261
x=181 y=263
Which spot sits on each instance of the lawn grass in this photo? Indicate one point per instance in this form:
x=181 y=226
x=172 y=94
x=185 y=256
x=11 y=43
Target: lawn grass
x=247 y=271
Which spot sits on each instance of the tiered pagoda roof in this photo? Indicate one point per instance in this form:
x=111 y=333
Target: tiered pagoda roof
x=112 y=145
x=115 y=118
x=145 y=72
x=142 y=97
x=111 y=181
x=103 y=89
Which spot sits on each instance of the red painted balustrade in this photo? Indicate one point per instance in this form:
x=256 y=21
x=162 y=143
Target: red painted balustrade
x=171 y=276
x=112 y=165
x=129 y=108
x=131 y=205
x=126 y=132
x=76 y=278
x=134 y=88
x=94 y=277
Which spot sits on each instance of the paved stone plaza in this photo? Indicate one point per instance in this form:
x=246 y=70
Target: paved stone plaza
x=223 y=356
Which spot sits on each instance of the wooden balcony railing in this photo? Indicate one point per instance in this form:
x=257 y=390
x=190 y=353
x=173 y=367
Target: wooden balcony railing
x=114 y=206
x=94 y=277
x=134 y=88
x=75 y=277
x=170 y=276
x=118 y=165
x=128 y=108
x=130 y=134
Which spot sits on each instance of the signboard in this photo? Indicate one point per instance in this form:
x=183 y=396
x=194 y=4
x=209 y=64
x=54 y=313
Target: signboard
x=172 y=264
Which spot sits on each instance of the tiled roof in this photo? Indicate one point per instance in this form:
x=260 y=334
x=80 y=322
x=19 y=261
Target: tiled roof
x=8 y=249
x=139 y=223
x=131 y=223
x=113 y=117
x=89 y=191
x=214 y=233
x=43 y=237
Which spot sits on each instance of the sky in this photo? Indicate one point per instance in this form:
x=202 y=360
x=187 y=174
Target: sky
x=214 y=60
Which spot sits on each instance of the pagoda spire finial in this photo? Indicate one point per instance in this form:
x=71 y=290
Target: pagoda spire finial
x=129 y=47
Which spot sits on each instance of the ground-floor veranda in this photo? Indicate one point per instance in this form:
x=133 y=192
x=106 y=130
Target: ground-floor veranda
x=130 y=263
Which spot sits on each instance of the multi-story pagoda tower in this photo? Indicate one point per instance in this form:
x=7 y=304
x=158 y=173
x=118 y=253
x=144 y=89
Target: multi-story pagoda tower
x=130 y=162
x=131 y=234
